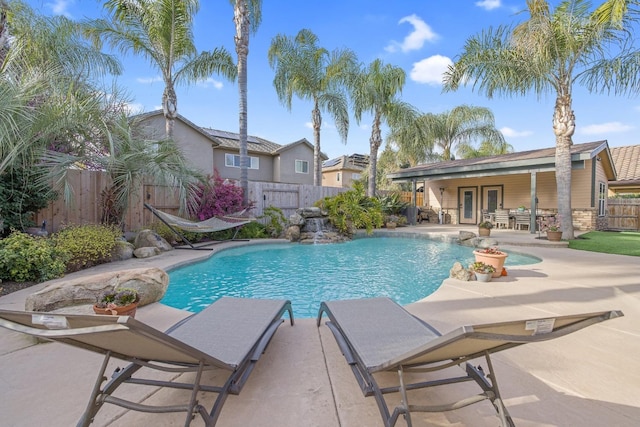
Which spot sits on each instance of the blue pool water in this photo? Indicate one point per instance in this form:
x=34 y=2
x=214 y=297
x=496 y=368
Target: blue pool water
x=403 y=269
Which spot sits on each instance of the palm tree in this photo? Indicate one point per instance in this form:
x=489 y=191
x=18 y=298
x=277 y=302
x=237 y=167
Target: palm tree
x=311 y=72
x=127 y=162
x=161 y=31
x=455 y=130
x=374 y=90
x=247 y=16
x=486 y=148
x=550 y=52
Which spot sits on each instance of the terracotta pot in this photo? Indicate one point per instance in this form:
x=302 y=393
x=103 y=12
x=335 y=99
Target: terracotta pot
x=484 y=232
x=554 y=236
x=125 y=310
x=497 y=261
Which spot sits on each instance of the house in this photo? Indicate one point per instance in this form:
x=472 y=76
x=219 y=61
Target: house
x=627 y=161
x=343 y=170
x=212 y=149
x=464 y=188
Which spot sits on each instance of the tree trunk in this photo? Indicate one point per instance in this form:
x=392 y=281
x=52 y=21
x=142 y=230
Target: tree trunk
x=317 y=163
x=241 y=19
x=169 y=107
x=564 y=126
x=374 y=145
x=4 y=31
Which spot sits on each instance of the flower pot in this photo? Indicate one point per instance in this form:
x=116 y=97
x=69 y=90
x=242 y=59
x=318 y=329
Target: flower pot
x=495 y=260
x=484 y=232
x=391 y=225
x=124 y=310
x=554 y=236
x=483 y=277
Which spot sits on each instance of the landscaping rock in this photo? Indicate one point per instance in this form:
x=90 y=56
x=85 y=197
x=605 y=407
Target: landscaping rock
x=122 y=251
x=149 y=238
x=460 y=273
x=296 y=219
x=151 y=284
x=293 y=233
x=466 y=235
x=146 y=252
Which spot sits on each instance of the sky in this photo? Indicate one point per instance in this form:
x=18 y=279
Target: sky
x=422 y=37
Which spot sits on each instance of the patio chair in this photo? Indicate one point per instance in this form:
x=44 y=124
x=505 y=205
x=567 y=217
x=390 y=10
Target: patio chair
x=522 y=220
x=378 y=335
x=217 y=223
x=502 y=218
x=230 y=335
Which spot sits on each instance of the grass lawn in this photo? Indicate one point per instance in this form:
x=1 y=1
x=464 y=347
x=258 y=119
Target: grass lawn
x=610 y=242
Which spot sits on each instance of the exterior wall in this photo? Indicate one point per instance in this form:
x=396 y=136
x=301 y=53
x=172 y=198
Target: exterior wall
x=264 y=173
x=330 y=178
x=287 y=165
x=196 y=148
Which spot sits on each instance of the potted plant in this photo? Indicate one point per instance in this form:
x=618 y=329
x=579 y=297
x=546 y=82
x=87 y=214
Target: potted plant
x=121 y=302
x=552 y=226
x=484 y=228
x=482 y=271
x=492 y=256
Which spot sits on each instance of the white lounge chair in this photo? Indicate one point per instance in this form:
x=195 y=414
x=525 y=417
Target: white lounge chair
x=229 y=335
x=378 y=335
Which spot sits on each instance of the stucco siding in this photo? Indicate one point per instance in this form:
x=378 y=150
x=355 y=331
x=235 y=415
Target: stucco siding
x=264 y=173
x=287 y=161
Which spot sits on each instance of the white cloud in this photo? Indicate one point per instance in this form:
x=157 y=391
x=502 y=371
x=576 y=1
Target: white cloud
x=59 y=7
x=415 y=40
x=210 y=82
x=604 y=128
x=488 y=4
x=148 y=80
x=430 y=70
x=512 y=133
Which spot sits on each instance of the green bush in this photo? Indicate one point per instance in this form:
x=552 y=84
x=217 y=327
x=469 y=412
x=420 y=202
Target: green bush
x=87 y=245
x=25 y=258
x=353 y=209
x=253 y=230
x=275 y=221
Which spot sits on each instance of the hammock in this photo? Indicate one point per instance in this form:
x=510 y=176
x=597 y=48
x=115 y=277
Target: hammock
x=217 y=223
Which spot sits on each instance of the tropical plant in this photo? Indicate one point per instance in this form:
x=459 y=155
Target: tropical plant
x=311 y=72
x=481 y=267
x=161 y=32
x=392 y=203
x=247 y=15
x=128 y=161
x=550 y=52
x=374 y=90
x=454 y=131
x=352 y=210
x=275 y=221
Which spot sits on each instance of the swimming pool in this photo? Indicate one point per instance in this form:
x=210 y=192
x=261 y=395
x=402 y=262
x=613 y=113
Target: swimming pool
x=404 y=269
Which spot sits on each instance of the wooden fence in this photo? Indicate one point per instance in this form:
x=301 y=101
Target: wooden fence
x=623 y=214
x=406 y=197
x=84 y=208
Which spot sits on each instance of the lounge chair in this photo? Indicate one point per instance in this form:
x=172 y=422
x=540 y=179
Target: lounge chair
x=216 y=223
x=377 y=335
x=229 y=335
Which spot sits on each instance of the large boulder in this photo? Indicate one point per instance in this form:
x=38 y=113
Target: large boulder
x=122 y=251
x=146 y=252
x=149 y=238
x=460 y=273
x=151 y=284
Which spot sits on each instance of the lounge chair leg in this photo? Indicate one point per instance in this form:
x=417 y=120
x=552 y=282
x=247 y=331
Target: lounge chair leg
x=405 y=399
x=503 y=414
x=94 y=405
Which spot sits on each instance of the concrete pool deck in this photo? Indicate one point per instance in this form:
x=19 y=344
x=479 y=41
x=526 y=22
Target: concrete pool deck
x=589 y=378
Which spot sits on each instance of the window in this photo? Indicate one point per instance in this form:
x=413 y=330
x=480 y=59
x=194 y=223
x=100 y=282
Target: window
x=233 y=161
x=302 y=166
x=355 y=176
x=338 y=177
x=602 y=199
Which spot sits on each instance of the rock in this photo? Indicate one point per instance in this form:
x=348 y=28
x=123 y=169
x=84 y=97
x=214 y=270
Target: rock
x=310 y=212
x=460 y=273
x=296 y=219
x=151 y=284
x=146 y=252
x=147 y=238
x=466 y=235
x=122 y=251
x=322 y=237
x=293 y=233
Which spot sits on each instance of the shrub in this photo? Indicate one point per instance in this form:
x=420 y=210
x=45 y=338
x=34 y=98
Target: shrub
x=353 y=209
x=25 y=258
x=87 y=245
x=253 y=230
x=217 y=197
x=275 y=221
